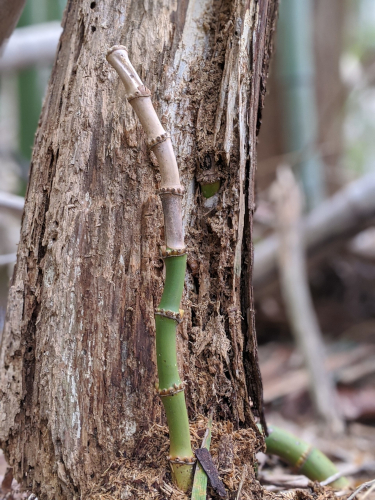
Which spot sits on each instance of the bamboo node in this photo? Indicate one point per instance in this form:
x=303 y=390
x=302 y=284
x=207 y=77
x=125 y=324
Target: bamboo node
x=178 y=190
x=157 y=140
x=165 y=253
x=171 y=391
x=169 y=314
x=302 y=459
x=141 y=92
x=116 y=47
x=182 y=460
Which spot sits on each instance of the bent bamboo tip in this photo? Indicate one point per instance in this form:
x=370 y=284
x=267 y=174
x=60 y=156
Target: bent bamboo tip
x=118 y=58
x=114 y=48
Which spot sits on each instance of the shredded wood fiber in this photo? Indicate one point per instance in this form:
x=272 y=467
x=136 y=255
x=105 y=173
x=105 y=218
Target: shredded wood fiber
x=146 y=474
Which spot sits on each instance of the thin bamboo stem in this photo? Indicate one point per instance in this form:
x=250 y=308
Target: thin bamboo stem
x=168 y=314
x=296 y=70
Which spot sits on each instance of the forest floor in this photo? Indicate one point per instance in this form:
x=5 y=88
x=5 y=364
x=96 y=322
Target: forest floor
x=146 y=474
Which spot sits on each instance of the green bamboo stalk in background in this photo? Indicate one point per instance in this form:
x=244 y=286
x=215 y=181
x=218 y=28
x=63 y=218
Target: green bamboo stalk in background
x=30 y=91
x=296 y=73
x=302 y=456
x=168 y=314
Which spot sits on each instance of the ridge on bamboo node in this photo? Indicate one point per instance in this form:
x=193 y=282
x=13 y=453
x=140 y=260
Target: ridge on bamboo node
x=165 y=253
x=182 y=460
x=114 y=48
x=302 y=459
x=157 y=140
x=170 y=314
x=172 y=390
x=178 y=190
x=142 y=91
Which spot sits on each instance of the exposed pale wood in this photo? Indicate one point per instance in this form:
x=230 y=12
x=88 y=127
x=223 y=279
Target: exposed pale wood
x=77 y=356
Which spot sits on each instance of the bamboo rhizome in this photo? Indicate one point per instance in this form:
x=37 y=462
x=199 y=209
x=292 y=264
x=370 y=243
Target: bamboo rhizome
x=168 y=315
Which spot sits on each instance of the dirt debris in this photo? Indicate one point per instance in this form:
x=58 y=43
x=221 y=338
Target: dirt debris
x=146 y=474
x=316 y=492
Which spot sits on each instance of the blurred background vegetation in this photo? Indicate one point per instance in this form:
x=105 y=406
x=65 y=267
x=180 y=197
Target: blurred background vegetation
x=21 y=98
x=319 y=119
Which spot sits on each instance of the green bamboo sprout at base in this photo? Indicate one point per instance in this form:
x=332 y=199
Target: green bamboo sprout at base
x=171 y=389
x=307 y=460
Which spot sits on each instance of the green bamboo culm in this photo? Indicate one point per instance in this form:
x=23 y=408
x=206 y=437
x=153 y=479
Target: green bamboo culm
x=169 y=380
x=307 y=460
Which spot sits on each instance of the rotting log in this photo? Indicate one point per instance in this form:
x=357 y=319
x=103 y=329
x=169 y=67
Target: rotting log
x=77 y=359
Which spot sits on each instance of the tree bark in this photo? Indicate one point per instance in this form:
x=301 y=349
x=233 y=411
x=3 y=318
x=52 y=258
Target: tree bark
x=77 y=357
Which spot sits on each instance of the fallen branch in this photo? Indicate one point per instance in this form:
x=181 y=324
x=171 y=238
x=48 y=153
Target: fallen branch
x=338 y=215
x=31 y=45
x=297 y=298
x=360 y=488
x=285 y=481
x=343 y=367
x=12 y=202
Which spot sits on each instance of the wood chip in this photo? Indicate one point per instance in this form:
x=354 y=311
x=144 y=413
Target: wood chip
x=205 y=459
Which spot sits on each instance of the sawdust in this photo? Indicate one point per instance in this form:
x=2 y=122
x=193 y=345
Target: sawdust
x=146 y=474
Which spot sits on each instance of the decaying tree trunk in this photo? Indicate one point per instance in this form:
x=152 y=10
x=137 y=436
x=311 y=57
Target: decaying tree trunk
x=77 y=356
